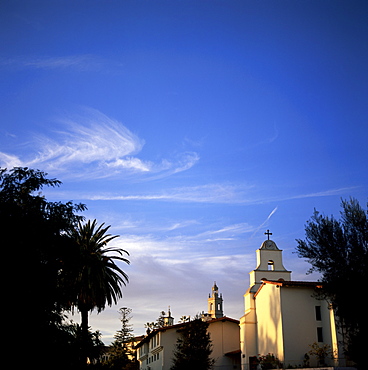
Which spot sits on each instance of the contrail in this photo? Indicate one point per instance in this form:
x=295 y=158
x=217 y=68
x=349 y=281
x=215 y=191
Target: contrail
x=264 y=222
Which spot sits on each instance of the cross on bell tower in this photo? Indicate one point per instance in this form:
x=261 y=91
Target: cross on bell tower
x=268 y=234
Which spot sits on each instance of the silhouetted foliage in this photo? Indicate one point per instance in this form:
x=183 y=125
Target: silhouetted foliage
x=57 y=263
x=269 y=361
x=93 y=276
x=125 y=334
x=193 y=347
x=33 y=236
x=120 y=351
x=159 y=323
x=338 y=249
x=72 y=344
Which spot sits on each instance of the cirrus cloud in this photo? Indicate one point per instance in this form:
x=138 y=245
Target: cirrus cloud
x=75 y=62
x=93 y=145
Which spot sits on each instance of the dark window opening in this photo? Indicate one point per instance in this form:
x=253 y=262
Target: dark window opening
x=319 y=335
x=318 y=313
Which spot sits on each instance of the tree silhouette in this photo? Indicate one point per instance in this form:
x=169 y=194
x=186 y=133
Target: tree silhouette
x=338 y=249
x=33 y=237
x=121 y=354
x=96 y=279
x=193 y=347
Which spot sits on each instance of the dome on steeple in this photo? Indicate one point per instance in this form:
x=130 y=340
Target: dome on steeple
x=269 y=244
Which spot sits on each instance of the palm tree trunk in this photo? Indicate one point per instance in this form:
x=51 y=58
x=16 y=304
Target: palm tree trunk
x=84 y=344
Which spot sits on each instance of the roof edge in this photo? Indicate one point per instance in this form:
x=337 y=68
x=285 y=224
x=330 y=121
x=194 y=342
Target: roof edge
x=178 y=326
x=290 y=283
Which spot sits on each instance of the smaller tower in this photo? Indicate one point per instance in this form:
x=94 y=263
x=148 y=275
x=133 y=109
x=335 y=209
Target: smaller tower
x=168 y=320
x=215 y=301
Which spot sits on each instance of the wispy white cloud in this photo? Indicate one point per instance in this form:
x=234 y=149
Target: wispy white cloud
x=130 y=163
x=79 y=62
x=9 y=160
x=179 y=240
x=93 y=145
x=227 y=232
x=324 y=193
x=181 y=225
x=208 y=193
x=88 y=144
x=162 y=265
x=181 y=264
x=216 y=193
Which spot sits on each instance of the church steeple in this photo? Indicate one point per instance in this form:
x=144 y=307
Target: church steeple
x=269 y=263
x=215 y=309
x=168 y=320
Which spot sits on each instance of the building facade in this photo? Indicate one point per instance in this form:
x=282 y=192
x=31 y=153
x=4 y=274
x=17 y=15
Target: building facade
x=281 y=317
x=284 y=317
x=155 y=351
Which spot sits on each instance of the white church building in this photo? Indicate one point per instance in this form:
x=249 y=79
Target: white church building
x=281 y=317
x=284 y=317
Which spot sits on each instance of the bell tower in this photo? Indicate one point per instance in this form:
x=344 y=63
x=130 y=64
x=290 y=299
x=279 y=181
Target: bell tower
x=269 y=263
x=215 y=309
x=168 y=320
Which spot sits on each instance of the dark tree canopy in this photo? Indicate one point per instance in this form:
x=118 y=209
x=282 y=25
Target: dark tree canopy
x=34 y=241
x=95 y=279
x=35 y=231
x=338 y=249
x=57 y=263
x=193 y=347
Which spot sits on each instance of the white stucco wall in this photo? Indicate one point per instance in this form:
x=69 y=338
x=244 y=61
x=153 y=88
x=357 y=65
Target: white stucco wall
x=300 y=324
x=286 y=322
x=160 y=351
x=248 y=337
x=224 y=334
x=168 y=342
x=225 y=337
x=269 y=322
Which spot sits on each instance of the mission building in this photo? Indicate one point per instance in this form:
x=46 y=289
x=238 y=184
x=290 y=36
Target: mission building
x=281 y=317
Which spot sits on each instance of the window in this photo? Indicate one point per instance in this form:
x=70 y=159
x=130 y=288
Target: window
x=271 y=266
x=318 y=313
x=319 y=334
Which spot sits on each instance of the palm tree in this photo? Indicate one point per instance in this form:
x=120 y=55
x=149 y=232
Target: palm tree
x=97 y=280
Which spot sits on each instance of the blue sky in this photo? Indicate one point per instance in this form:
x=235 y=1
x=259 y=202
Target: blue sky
x=191 y=127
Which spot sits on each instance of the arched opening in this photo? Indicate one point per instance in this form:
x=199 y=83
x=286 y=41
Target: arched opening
x=271 y=266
